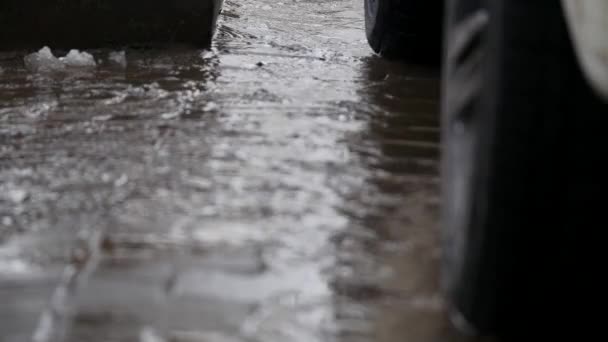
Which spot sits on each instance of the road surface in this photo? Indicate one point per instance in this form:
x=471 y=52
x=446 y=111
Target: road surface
x=281 y=187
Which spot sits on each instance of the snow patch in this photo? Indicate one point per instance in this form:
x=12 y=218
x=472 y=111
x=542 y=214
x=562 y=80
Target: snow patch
x=17 y=196
x=45 y=61
x=78 y=59
x=210 y=106
x=118 y=58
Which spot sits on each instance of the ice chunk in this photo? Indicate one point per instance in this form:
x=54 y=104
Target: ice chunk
x=78 y=59
x=210 y=106
x=208 y=54
x=43 y=61
x=148 y=334
x=15 y=268
x=103 y=117
x=7 y=221
x=171 y=115
x=121 y=181
x=17 y=196
x=118 y=58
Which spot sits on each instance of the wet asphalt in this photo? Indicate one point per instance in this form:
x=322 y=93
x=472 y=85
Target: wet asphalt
x=281 y=187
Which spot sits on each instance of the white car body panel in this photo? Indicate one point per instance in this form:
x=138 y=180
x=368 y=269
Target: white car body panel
x=588 y=22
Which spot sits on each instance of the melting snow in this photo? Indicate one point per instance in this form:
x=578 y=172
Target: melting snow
x=78 y=59
x=45 y=61
x=119 y=58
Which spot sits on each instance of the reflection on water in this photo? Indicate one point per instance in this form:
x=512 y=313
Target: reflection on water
x=281 y=187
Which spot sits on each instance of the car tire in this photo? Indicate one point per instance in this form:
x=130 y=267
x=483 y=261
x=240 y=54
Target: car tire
x=521 y=141
x=405 y=29
x=31 y=24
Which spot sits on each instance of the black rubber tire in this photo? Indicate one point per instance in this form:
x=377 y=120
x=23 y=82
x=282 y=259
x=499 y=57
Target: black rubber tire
x=522 y=148
x=405 y=29
x=91 y=24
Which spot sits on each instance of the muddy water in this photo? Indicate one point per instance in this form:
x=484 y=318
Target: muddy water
x=280 y=187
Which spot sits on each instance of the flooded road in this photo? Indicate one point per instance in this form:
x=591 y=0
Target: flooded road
x=280 y=187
